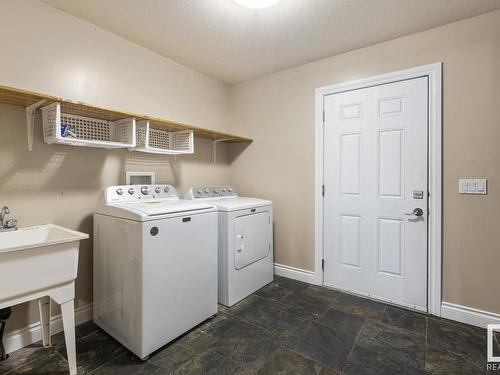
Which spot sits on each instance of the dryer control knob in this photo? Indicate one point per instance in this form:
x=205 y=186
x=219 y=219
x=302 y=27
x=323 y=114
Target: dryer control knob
x=131 y=191
x=119 y=191
x=207 y=190
x=166 y=189
x=158 y=189
x=145 y=190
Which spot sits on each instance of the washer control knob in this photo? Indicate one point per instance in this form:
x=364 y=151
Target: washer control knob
x=224 y=190
x=199 y=191
x=166 y=189
x=131 y=191
x=158 y=189
x=207 y=190
x=119 y=191
x=230 y=189
x=145 y=190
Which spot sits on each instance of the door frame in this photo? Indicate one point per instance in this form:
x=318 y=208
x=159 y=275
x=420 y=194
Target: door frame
x=434 y=246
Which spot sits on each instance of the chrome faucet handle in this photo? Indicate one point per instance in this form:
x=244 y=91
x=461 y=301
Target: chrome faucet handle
x=4 y=211
x=11 y=224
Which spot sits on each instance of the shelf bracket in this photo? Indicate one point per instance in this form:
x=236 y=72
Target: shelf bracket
x=214 y=146
x=30 y=121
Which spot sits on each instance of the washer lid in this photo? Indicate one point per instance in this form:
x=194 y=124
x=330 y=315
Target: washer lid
x=151 y=210
x=238 y=203
x=159 y=207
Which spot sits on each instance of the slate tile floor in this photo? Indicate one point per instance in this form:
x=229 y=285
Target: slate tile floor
x=287 y=327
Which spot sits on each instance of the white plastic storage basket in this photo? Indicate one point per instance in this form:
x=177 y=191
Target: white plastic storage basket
x=85 y=131
x=163 y=142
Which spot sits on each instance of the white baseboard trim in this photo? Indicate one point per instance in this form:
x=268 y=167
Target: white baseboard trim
x=468 y=315
x=295 y=273
x=26 y=336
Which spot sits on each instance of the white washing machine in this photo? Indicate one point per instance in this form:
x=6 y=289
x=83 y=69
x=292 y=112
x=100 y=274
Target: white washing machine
x=245 y=241
x=155 y=265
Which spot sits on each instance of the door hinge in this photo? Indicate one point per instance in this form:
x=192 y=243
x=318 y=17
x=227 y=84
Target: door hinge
x=322 y=264
x=323 y=117
x=323 y=190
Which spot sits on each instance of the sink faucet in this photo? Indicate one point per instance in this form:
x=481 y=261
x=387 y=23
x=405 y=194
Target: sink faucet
x=6 y=224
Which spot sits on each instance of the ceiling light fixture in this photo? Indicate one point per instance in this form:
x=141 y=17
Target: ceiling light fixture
x=257 y=4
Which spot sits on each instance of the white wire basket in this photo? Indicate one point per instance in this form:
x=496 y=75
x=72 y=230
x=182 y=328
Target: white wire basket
x=157 y=141
x=63 y=128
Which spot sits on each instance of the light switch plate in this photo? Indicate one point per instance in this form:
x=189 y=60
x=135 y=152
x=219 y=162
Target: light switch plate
x=472 y=186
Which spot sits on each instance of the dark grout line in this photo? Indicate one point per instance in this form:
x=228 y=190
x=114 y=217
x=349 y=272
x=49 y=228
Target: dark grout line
x=440 y=320
x=232 y=316
x=106 y=363
x=353 y=344
x=60 y=355
x=267 y=329
x=88 y=335
x=14 y=369
x=426 y=331
x=255 y=325
x=310 y=358
x=27 y=363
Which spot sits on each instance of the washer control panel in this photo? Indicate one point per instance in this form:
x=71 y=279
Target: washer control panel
x=202 y=192
x=131 y=193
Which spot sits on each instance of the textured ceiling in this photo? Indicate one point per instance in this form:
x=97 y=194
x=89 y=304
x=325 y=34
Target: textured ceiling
x=231 y=43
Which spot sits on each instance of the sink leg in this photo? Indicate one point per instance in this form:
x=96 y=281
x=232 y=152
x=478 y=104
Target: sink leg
x=4 y=315
x=44 y=307
x=68 y=316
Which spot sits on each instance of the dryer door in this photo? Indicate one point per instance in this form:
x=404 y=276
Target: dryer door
x=252 y=238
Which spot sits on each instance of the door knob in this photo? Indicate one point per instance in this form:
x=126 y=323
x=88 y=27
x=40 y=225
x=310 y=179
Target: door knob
x=416 y=212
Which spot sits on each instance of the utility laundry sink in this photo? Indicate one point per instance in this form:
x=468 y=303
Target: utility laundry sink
x=37 y=257
x=37 y=236
x=41 y=262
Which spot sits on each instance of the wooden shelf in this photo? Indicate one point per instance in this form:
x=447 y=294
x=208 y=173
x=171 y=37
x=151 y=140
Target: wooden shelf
x=10 y=95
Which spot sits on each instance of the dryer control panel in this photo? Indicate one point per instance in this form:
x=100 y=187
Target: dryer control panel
x=202 y=192
x=131 y=193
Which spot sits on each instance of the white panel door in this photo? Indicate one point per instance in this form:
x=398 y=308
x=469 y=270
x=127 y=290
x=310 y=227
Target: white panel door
x=375 y=175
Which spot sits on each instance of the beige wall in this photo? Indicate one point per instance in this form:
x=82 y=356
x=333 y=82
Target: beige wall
x=45 y=50
x=278 y=111
x=49 y=51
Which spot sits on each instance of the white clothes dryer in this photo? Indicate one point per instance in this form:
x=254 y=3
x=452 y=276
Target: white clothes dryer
x=245 y=241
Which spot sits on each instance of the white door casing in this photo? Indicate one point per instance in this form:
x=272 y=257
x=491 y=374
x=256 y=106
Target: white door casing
x=434 y=156
x=375 y=159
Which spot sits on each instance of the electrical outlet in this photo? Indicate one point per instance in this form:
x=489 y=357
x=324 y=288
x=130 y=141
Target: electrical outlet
x=472 y=186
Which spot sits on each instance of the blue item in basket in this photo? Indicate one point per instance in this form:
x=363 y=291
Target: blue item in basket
x=68 y=130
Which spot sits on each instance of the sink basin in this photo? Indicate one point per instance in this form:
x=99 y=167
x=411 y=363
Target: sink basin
x=37 y=236
x=36 y=258
x=41 y=262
